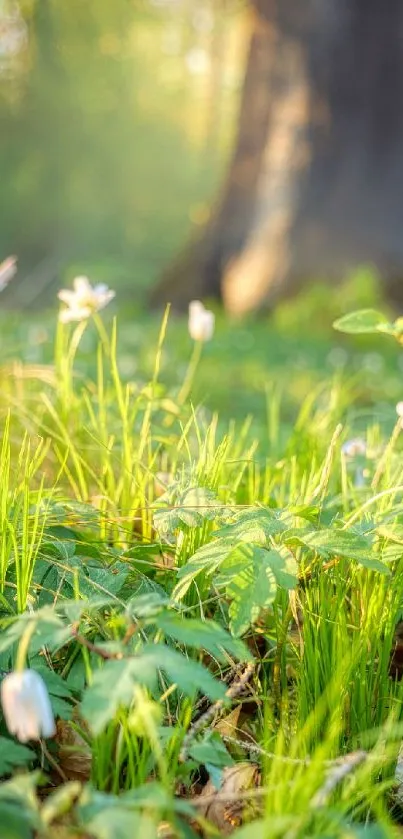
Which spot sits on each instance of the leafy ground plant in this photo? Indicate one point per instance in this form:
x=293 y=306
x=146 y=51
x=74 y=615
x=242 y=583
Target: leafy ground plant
x=216 y=617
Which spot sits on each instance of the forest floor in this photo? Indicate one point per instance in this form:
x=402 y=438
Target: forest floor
x=201 y=555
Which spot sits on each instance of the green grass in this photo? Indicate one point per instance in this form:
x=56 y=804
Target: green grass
x=158 y=546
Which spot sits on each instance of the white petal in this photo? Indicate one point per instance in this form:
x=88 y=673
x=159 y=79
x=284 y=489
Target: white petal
x=201 y=322
x=67 y=296
x=195 y=307
x=8 y=269
x=106 y=298
x=82 y=285
x=355 y=447
x=26 y=706
x=209 y=323
x=74 y=314
x=41 y=704
x=100 y=288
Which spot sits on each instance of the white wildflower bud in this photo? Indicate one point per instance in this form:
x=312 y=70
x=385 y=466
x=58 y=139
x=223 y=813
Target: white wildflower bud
x=26 y=706
x=399 y=409
x=354 y=448
x=201 y=322
x=84 y=300
x=8 y=269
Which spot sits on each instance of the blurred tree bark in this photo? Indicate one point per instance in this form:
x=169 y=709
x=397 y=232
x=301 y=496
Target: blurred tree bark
x=315 y=184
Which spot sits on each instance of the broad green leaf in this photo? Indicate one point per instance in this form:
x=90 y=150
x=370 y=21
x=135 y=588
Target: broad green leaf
x=251 y=590
x=92 y=802
x=206 y=560
x=363 y=321
x=121 y=823
x=112 y=686
x=187 y=508
x=167 y=521
x=108 y=580
x=48 y=630
x=19 y=806
x=147 y=605
x=347 y=544
x=275 y=827
x=206 y=635
x=255 y=586
x=204 y=500
x=15 y=822
x=254 y=525
x=341 y=542
x=13 y=754
x=281 y=561
x=189 y=675
x=211 y=750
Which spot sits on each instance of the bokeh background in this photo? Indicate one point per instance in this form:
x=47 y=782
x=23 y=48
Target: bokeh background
x=118 y=124
x=116 y=120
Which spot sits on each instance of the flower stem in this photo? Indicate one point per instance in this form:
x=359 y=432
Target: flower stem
x=190 y=372
x=23 y=647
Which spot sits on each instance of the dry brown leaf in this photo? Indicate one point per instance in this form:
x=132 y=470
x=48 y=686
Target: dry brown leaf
x=229 y=726
x=223 y=807
x=74 y=754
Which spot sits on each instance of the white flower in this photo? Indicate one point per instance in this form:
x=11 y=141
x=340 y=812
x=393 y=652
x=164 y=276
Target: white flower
x=8 y=269
x=201 y=322
x=399 y=409
x=84 y=300
x=26 y=706
x=355 y=447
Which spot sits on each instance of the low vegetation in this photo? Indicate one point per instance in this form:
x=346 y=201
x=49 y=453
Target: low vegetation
x=204 y=565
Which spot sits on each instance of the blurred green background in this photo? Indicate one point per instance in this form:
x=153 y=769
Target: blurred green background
x=116 y=118
x=116 y=124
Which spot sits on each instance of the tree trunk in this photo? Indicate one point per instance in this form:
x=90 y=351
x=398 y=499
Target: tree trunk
x=315 y=184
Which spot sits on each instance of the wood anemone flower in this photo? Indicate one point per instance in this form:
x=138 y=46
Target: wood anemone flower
x=201 y=322
x=84 y=300
x=8 y=269
x=356 y=447
x=26 y=706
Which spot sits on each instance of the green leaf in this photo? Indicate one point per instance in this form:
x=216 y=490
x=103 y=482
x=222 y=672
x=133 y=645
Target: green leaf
x=121 y=823
x=15 y=822
x=211 y=750
x=19 y=806
x=100 y=702
x=13 y=754
x=206 y=635
x=206 y=560
x=189 y=508
x=48 y=629
x=146 y=605
x=212 y=753
x=189 y=675
x=252 y=525
x=363 y=321
x=254 y=587
x=347 y=544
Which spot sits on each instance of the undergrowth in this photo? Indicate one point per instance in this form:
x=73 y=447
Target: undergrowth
x=216 y=617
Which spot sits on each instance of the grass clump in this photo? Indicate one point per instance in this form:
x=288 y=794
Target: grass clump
x=215 y=612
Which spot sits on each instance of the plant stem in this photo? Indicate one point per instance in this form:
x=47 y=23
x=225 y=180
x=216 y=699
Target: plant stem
x=23 y=647
x=190 y=372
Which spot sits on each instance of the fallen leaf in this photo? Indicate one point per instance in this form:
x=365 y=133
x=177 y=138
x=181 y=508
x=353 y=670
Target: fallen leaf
x=229 y=726
x=74 y=754
x=224 y=807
